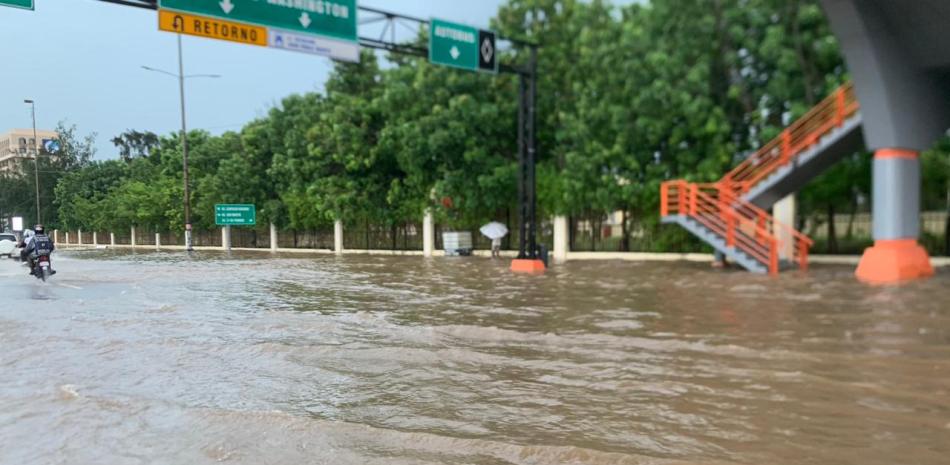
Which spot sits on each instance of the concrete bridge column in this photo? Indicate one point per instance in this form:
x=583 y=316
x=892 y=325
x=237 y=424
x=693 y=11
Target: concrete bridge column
x=895 y=52
x=273 y=237
x=226 y=238
x=896 y=256
x=784 y=212
x=561 y=239
x=338 y=237
x=428 y=234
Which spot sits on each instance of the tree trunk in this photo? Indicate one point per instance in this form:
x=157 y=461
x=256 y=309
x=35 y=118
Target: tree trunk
x=946 y=236
x=832 y=237
x=625 y=233
x=854 y=210
x=508 y=224
x=570 y=232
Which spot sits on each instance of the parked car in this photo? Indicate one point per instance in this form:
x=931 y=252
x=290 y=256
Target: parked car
x=8 y=245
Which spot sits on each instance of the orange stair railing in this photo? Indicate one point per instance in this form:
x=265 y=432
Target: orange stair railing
x=720 y=207
x=742 y=224
x=829 y=114
x=704 y=204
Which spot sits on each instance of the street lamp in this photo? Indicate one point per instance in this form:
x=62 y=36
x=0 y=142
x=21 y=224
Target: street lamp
x=36 y=158
x=184 y=134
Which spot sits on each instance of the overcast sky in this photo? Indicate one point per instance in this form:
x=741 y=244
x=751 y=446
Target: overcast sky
x=80 y=60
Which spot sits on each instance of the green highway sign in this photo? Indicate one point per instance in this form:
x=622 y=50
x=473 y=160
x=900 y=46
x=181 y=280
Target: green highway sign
x=335 y=19
x=461 y=46
x=235 y=215
x=25 y=4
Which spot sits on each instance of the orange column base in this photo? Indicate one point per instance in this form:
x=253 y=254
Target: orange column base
x=527 y=266
x=894 y=261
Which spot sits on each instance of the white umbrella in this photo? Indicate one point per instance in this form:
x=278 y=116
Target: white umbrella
x=494 y=230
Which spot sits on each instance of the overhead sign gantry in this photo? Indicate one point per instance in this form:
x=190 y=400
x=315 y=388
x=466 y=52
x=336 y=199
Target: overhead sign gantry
x=324 y=27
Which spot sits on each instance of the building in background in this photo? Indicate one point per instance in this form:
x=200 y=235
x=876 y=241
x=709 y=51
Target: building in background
x=18 y=146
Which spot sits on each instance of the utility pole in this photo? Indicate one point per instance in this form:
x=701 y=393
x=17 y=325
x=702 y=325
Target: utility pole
x=36 y=162
x=184 y=148
x=184 y=137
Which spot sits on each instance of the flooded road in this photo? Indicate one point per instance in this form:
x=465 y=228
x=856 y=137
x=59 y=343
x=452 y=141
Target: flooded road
x=161 y=359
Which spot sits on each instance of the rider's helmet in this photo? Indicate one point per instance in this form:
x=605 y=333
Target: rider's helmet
x=39 y=229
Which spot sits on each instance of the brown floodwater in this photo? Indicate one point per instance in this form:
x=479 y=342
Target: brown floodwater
x=158 y=358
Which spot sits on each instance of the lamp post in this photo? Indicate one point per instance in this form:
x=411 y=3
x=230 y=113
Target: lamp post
x=36 y=158
x=184 y=135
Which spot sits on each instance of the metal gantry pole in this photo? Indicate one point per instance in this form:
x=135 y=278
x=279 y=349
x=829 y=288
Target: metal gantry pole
x=184 y=148
x=522 y=169
x=532 y=155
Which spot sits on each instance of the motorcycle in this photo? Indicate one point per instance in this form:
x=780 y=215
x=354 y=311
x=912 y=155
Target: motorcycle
x=42 y=269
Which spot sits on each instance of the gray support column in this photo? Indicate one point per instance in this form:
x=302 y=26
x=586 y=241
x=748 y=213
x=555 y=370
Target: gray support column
x=338 y=237
x=79 y=237
x=896 y=256
x=561 y=239
x=273 y=237
x=95 y=239
x=158 y=241
x=226 y=238
x=67 y=237
x=784 y=212
x=428 y=234
x=56 y=236
x=112 y=239
x=133 y=237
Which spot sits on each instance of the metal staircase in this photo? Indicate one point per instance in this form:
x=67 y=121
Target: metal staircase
x=729 y=215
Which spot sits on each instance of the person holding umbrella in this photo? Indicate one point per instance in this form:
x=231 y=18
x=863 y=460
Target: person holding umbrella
x=494 y=231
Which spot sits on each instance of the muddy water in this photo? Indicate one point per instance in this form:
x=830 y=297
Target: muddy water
x=156 y=358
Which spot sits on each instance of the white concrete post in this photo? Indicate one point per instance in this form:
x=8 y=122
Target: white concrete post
x=273 y=237
x=67 y=237
x=158 y=241
x=133 y=237
x=79 y=237
x=226 y=238
x=112 y=239
x=784 y=212
x=561 y=239
x=338 y=237
x=95 y=239
x=56 y=236
x=428 y=234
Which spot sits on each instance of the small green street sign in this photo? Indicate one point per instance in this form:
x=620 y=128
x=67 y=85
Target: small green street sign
x=329 y=18
x=461 y=46
x=25 y=4
x=235 y=215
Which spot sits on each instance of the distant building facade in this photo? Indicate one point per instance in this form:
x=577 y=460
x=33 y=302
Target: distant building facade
x=18 y=146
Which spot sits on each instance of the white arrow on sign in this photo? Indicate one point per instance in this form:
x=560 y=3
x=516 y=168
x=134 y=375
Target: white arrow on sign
x=227 y=6
x=455 y=53
x=305 y=19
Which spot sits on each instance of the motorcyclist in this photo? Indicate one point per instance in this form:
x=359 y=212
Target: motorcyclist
x=41 y=244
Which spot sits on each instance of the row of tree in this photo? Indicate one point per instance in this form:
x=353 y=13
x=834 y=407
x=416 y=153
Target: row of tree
x=628 y=97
